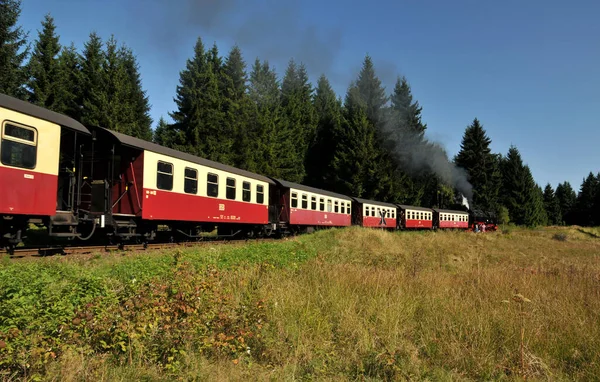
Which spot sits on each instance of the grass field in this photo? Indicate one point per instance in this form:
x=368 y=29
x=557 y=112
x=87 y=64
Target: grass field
x=341 y=304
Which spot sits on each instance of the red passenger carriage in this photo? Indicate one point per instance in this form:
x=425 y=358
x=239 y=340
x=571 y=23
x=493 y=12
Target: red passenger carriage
x=413 y=217
x=300 y=208
x=373 y=214
x=451 y=219
x=38 y=168
x=144 y=185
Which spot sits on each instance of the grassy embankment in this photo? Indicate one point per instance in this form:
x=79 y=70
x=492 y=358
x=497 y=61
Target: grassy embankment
x=336 y=305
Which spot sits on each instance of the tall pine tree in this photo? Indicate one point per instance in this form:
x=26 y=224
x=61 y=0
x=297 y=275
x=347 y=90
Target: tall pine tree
x=400 y=132
x=162 y=134
x=115 y=112
x=93 y=90
x=535 y=214
x=552 y=206
x=520 y=194
x=13 y=50
x=585 y=201
x=370 y=92
x=364 y=115
x=355 y=159
x=406 y=112
x=44 y=69
x=567 y=198
x=70 y=93
x=264 y=92
x=237 y=108
x=514 y=192
x=320 y=155
x=481 y=164
x=197 y=128
x=298 y=124
x=136 y=97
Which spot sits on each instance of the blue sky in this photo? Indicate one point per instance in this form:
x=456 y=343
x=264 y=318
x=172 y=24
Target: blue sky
x=528 y=70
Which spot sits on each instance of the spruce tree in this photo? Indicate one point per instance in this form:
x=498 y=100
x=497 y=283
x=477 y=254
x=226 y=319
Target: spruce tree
x=328 y=110
x=370 y=92
x=400 y=132
x=162 y=134
x=406 y=114
x=552 y=206
x=596 y=203
x=197 y=128
x=514 y=187
x=115 y=111
x=364 y=117
x=264 y=92
x=94 y=97
x=585 y=201
x=13 y=50
x=481 y=164
x=567 y=198
x=70 y=96
x=184 y=136
x=44 y=69
x=535 y=214
x=520 y=194
x=298 y=124
x=137 y=99
x=237 y=109
x=355 y=159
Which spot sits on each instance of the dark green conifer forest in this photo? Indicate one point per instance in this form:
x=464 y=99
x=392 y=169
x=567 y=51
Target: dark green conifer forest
x=369 y=142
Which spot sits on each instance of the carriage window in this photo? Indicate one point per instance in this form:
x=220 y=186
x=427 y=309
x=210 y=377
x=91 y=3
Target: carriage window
x=328 y=205
x=246 y=191
x=190 y=185
x=164 y=177
x=343 y=206
x=260 y=194
x=336 y=206
x=321 y=204
x=230 y=190
x=366 y=211
x=294 y=200
x=212 y=185
x=348 y=209
x=304 y=201
x=313 y=203
x=19 y=146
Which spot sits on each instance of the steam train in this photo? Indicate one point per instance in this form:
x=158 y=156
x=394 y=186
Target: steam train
x=91 y=184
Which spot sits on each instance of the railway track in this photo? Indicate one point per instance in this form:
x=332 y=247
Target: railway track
x=35 y=252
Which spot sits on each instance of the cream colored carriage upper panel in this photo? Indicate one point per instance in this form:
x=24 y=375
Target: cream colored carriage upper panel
x=45 y=138
x=301 y=198
x=178 y=170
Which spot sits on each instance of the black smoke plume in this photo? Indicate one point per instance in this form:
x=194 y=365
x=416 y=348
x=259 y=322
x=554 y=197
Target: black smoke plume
x=415 y=154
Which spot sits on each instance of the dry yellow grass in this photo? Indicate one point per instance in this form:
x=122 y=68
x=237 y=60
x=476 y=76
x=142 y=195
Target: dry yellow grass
x=376 y=305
